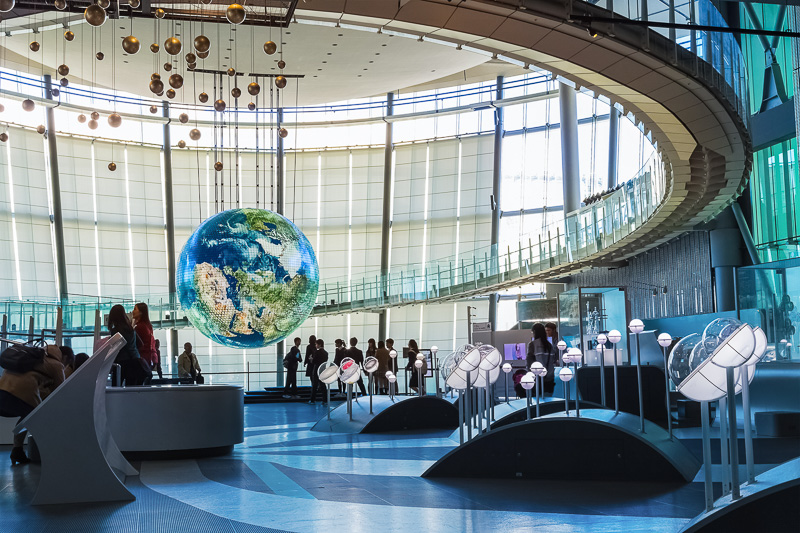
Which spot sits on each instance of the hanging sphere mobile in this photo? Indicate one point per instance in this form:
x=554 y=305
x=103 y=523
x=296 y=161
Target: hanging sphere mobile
x=92 y=124
x=231 y=71
x=203 y=97
x=134 y=3
x=64 y=82
x=219 y=105
x=114 y=120
x=82 y=118
x=170 y=94
x=100 y=56
x=167 y=66
x=236 y=92
x=156 y=86
x=112 y=167
x=95 y=115
x=40 y=129
x=280 y=82
x=183 y=118
x=173 y=46
x=130 y=44
x=104 y=3
x=6 y=5
x=235 y=14
x=34 y=46
x=28 y=104
x=191 y=66
x=283 y=132
x=68 y=35
x=56 y=92
x=3 y=137
x=95 y=15
x=251 y=106
x=254 y=88
x=154 y=48
x=218 y=166
x=160 y=13
x=63 y=70
x=176 y=81
x=281 y=64
x=270 y=48
x=202 y=43
x=181 y=144
x=61 y=5
x=155 y=76
x=194 y=134
x=191 y=58
x=153 y=109
x=203 y=55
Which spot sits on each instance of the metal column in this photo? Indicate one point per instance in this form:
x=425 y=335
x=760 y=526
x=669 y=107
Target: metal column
x=55 y=183
x=387 y=214
x=279 y=207
x=613 y=147
x=170 y=227
x=569 y=149
x=497 y=177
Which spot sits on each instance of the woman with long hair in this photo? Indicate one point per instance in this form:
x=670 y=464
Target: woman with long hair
x=540 y=349
x=145 y=342
x=128 y=356
x=414 y=383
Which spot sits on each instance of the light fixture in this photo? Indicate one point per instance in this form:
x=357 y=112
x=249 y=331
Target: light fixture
x=736 y=349
x=465 y=360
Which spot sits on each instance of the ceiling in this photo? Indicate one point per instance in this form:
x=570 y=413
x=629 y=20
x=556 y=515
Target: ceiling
x=338 y=64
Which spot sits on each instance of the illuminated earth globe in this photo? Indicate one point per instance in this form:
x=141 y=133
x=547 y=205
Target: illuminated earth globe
x=247 y=278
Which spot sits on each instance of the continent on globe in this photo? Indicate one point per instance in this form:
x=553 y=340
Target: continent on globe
x=247 y=278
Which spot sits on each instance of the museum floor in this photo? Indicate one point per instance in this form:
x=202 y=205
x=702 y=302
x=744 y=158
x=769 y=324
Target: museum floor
x=287 y=478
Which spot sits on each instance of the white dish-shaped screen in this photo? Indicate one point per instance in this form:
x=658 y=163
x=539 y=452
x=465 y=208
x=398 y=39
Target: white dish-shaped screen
x=328 y=373
x=349 y=371
x=760 y=349
x=489 y=366
x=370 y=364
x=465 y=359
x=735 y=349
x=707 y=382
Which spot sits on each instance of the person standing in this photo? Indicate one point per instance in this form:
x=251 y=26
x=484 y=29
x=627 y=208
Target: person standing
x=371 y=350
x=540 y=349
x=187 y=363
x=415 y=383
x=358 y=356
x=320 y=357
x=308 y=361
x=158 y=360
x=131 y=371
x=290 y=362
x=552 y=337
x=382 y=355
x=145 y=342
x=338 y=356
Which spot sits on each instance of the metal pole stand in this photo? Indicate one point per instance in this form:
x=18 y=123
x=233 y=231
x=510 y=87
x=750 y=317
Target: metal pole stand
x=369 y=380
x=577 y=392
x=748 y=430
x=639 y=381
x=468 y=407
x=460 y=418
x=350 y=400
x=528 y=404
x=507 y=398
x=539 y=386
x=328 y=389
x=708 y=479
x=419 y=382
x=566 y=397
x=616 y=381
x=602 y=378
x=722 y=414
x=733 y=440
x=666 y=379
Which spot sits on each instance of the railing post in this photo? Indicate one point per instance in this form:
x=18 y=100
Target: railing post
x=438 y=279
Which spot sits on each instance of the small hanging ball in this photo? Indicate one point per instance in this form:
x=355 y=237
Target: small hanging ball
x=153 y=109
x=40 y=129
x=92 y=124
x=28 y=105
x=134 y=3
x=68 y=35
x=280 y=82
x=155 y=76
x=281 y=64
x=176 y=81
x=160 y=13
x=82 y=118
x=95 y=15
x=253 y=88
x=170 y=94
x=202 y=43
x=173 y=46
x=235 y=14
x=251 y=106
x=194 y=134
x=283 y=132
x=130 y=44
x=3 y=137
x=34 y=46
x=64 y=82
x=6 y=5
x=154 y=48
x=203 y=55
x=181 y=144
x=270 y=48
x=236 y=92
x=104 y=3
x=156 y=86
x=112 y=167
x=114 y=120
x=184 y=118
x=61 y=5
x=218 y=166
x=219 y=105
x=231 y=71
x=95 y=115
x=203 y=97
x=56 y=92
x=100 y=56
x=160 y=93
x=191 y=58
x=191 y=66
x=167 y=66
x=63 y=70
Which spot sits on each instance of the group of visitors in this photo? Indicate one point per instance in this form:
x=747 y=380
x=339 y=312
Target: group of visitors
x=541 y=349
x=316 y=356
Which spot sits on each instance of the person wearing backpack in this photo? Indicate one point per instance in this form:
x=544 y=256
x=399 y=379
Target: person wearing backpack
x=33 y=379
x=290 y=362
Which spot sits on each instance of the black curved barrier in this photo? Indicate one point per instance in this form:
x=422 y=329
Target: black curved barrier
x=548 y=406
x=398 y=414
x=597 y=446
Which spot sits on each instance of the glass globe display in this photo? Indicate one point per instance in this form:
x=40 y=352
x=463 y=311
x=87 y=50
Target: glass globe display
x=328 y=372
x=349 y=371
x=489 y=364
x=717 y=331
x=527 y=381
x=678 y=363
x=370 y=364
x=463 y=360
x=247 y=278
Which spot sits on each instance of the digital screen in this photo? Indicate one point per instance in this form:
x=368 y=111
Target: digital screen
x=515 y=352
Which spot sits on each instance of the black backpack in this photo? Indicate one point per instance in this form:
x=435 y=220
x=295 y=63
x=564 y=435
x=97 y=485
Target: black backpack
x=21 y=358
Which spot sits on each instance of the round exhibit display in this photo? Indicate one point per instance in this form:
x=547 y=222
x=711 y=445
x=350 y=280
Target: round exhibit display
x=247 y=278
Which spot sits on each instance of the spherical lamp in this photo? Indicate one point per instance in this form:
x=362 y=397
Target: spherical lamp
x=194 y=134
x=130 y=44
x=506 y=367
x=636 y=326
x=528 y=381
x=602 y=339
x=614 y=336
x=664 y=340
x=565 y=375
x=235 y=14
x=95 y=15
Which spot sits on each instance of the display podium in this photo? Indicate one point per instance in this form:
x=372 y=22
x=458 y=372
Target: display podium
x=398 y=413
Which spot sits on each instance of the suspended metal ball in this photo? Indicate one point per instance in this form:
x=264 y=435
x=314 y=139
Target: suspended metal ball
x=251 y=106
x=56 y=92
x=191 y=58
x=218 y=166
x=114 y=120
x=236 y=92
x=219 y=105
x=100 y=56
x=68 y=35
x=283 y=132
x=161 y=93
x=104 y=3
x=281 y=64
x=95 y=115
x=61 y=5
x=130 y=44
x=64 y=82
x=176 y=81
x=203 y=97
x=231 y=71
x=203 y=55
x=153 y=109
x=181 y=144
x=160 y=13
x=170 y=94
x=156 y=86
x=191 y=66
x=92 y=124
x=154 y=48
x=40 y=129
x=112 y=167
x=134 y=3
x=254 y=88
x=28 y=105
x=95 y=15
x=167 y=66
x=82 y=118
x=34 y=46
x=270 y=47
x=173 y=46
x=280 y=82
x=202 y=43
x=194 y=134
x=6 y=5
x=235 y=14
x=63 y=70
x=184 y=118
x=3 y=137
x=155 y=76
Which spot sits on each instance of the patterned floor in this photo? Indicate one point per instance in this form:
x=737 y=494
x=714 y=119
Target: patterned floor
x=287 y=478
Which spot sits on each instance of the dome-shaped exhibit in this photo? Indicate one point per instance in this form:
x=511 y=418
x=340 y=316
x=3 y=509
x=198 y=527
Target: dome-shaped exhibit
x=349 y=371
x=489 y=366
x=678 y=364
x=707 y=382
x=328 y=372
x=465 y=359
x=247 y=278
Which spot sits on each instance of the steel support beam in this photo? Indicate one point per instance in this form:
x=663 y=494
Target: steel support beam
x=279 y=207
x=386 y=220
x=170 y=228
x=570 y=166
x=613 y=148
x=497 y=178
